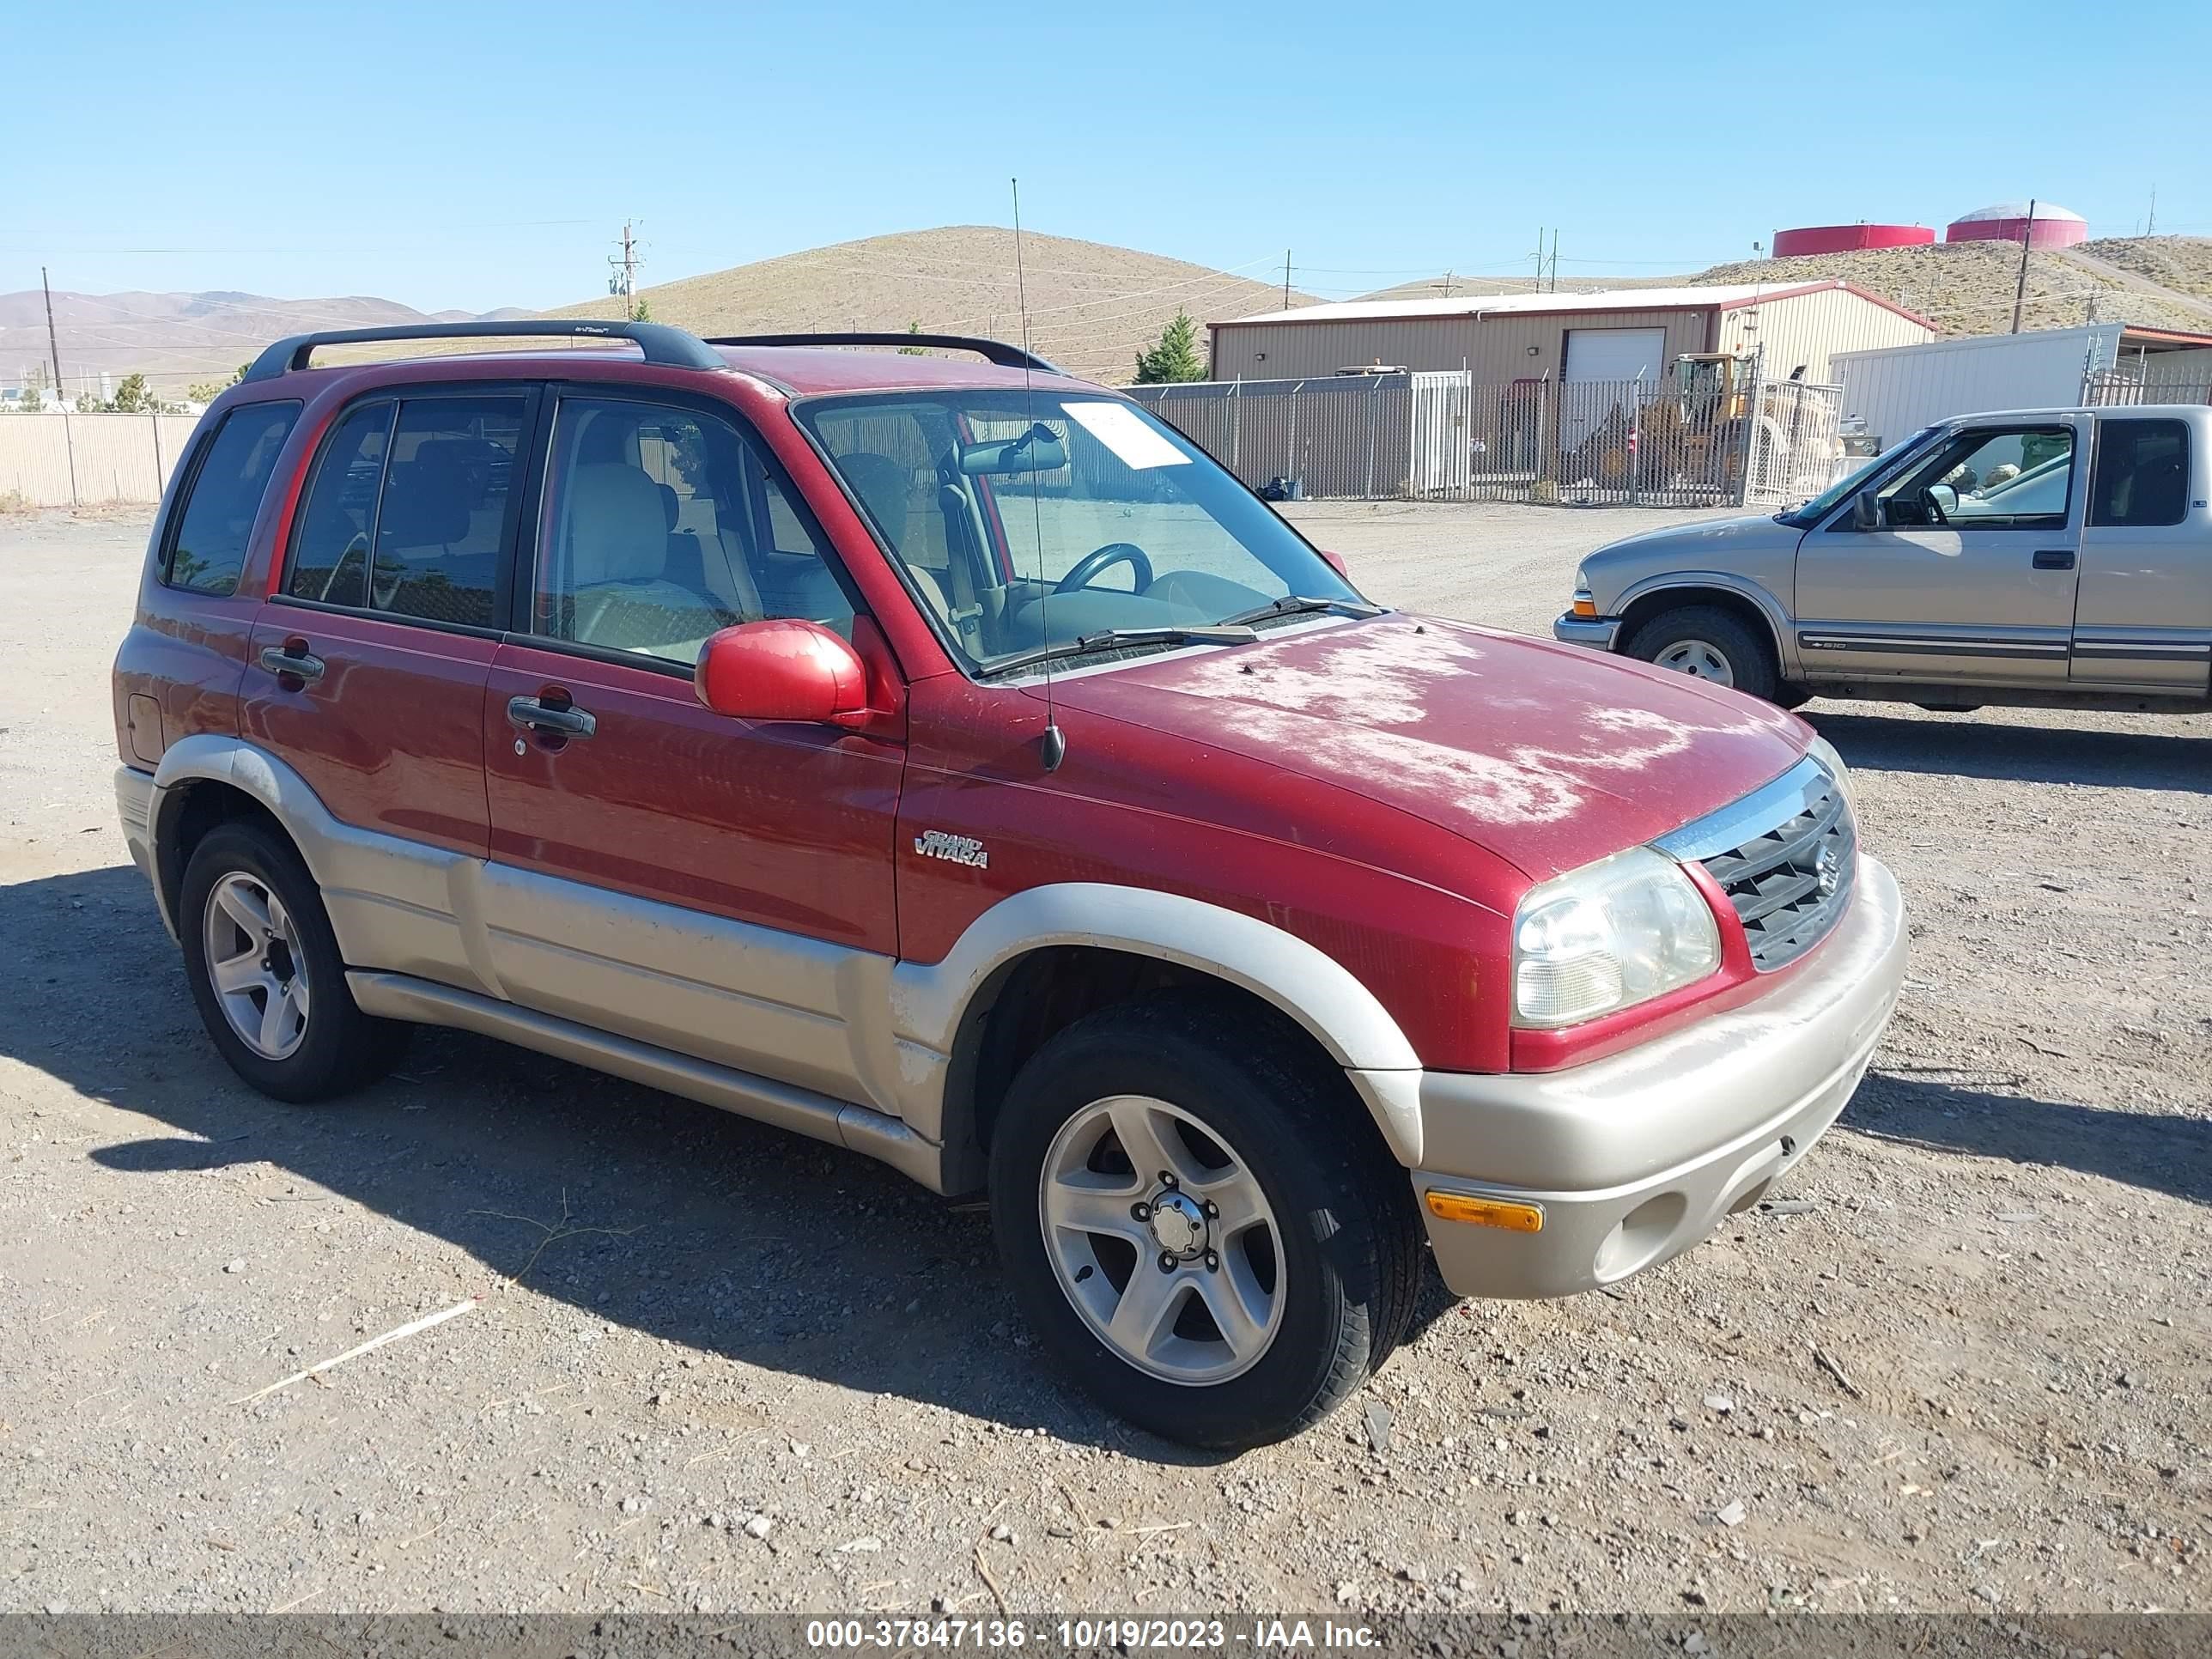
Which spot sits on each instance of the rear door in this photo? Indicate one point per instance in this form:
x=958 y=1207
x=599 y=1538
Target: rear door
x=659 y=871
x=1970 y=574
x=368 y=661
x=2144 y=617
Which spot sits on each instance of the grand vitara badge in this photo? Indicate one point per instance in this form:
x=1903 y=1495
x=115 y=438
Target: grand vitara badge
x=956 y=849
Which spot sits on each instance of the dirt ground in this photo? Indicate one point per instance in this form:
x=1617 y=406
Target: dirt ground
x=715 y=1366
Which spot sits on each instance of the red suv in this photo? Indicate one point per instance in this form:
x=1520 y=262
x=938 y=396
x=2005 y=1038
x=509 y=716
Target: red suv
x=949 y=759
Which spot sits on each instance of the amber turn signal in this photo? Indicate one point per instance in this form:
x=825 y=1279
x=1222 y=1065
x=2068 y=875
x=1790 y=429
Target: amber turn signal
x=1583 y=607
x=1486 y=1211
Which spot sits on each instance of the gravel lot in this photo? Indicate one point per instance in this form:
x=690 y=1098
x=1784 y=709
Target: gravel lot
x=715 y=1367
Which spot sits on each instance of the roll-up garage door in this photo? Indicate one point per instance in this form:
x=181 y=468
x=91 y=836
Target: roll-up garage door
x=1605 y=360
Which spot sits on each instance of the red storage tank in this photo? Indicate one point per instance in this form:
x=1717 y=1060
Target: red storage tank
x=1845 y=239
x=2007 y=221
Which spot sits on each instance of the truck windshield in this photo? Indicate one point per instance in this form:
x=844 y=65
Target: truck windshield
x=1805 y=517
x=1030 y=521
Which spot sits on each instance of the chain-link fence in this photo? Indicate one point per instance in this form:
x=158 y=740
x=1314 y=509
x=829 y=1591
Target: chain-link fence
x=1719 y=440
x=2106 y=387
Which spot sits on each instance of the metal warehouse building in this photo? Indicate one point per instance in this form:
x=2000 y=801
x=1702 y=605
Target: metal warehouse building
x=1613 y=335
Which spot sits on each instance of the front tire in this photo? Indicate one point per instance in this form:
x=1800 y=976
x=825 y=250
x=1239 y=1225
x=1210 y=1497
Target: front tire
x=266 y=974
x=1708 y=644
x=1207 y=1237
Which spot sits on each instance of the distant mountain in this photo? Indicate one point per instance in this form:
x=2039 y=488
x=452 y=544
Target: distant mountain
x=176 y=340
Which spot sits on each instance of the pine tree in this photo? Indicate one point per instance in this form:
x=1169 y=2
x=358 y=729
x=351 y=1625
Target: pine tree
x=1175 y=358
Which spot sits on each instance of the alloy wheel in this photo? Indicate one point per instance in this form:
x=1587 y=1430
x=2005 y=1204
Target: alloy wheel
x=1162 y=1239
x=257 y=965
x=1699 y=659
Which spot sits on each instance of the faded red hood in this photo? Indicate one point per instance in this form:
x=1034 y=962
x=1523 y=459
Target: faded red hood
x=1547 y=756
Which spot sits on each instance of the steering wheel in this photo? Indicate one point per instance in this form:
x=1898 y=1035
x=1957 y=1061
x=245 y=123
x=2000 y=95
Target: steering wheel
x=1090 y=564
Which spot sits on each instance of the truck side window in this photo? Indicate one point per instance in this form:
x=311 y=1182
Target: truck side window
x=209 y=548
x=1985 y=478
x=2142 y=475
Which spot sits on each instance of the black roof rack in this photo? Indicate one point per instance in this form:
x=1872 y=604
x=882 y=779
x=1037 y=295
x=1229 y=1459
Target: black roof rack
x=996 y=351
x=659 y=342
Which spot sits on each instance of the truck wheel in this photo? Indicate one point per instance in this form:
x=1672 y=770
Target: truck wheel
x=1195 y=1229
x=265 y=970
x=1708 y=644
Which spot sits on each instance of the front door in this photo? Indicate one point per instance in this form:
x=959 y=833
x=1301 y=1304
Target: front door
x=1969 y=574
x=659 y=871
x=2144 y=620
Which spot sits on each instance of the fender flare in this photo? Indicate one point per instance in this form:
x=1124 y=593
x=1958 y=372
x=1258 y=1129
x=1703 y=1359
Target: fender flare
x=930 y=1002
x=1778 y=617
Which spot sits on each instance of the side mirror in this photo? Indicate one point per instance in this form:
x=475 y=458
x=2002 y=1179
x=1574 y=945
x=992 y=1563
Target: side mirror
x=1866 y=511
x=1335 y=561
x=782 y=669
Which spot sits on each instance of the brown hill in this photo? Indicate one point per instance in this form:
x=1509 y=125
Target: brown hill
x=2183 y=264
x=1966 y=288
x=1092 y=306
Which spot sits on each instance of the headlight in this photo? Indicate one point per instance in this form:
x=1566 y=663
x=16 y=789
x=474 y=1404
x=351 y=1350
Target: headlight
x=1608 y=936
x=1832 y=763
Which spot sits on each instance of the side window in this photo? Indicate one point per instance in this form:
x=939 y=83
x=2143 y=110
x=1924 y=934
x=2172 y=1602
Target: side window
x=2141 y=479
x=209 y=548
x=329 y=560
x=2009 y=478
x=411 y=508
x=658 y=533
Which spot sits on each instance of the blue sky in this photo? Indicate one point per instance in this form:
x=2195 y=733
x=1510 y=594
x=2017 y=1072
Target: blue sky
x=478 y=155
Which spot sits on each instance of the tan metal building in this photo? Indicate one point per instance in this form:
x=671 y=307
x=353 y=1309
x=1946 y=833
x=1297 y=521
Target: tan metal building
x=1613 y=335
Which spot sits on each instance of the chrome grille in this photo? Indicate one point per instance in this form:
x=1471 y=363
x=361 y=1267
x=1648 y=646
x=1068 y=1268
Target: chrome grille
x=1787 y=859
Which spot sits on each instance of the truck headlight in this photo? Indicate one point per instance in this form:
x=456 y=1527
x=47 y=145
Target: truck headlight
x=1584 y=603
x=1832 y=763
x=1608 y=936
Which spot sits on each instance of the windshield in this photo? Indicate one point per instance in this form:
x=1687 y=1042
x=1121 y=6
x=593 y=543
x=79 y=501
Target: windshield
x=1837 y=493
x=1034 y=521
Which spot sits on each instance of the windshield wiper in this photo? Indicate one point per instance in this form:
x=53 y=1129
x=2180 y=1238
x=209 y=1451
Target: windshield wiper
x=1291 y=604
x=1112 y=639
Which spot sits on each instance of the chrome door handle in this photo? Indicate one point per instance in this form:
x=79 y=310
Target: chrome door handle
x=550 y=719
x=287 y=664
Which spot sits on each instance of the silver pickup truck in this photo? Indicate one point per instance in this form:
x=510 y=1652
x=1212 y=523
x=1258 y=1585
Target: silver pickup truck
x=2059 y=556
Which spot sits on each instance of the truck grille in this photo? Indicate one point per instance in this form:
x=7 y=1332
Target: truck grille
x=1787 y=859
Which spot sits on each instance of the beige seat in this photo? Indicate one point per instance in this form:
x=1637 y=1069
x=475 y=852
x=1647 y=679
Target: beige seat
x=884 y=488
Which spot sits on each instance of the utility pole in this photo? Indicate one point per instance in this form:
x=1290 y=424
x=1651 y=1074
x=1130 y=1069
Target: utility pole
x=2150 y=225
x=1287 y=279
x=1540 y=259
x=2027 y=241
x=1555 y=259
x=623 y=278
x=54 y=349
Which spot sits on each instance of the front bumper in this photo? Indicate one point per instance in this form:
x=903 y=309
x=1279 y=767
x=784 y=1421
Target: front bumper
x=1597 y=631
x=1635 y=1157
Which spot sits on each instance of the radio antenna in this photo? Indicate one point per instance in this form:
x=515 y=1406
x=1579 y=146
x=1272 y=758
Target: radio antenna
x=1054 y=747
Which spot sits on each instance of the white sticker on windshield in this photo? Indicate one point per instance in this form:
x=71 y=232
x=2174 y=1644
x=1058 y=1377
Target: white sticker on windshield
x=1134 y=444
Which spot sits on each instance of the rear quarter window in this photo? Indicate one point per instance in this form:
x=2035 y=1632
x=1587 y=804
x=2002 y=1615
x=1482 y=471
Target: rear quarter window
x=223 y=498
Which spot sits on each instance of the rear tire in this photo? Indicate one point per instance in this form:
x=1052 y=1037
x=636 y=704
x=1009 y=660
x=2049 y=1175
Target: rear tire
x=1709 y=643
x=1287 y=1215
x=266 y=974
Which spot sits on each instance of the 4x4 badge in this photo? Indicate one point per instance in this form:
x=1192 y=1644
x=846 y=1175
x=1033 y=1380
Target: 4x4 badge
x=959 y=849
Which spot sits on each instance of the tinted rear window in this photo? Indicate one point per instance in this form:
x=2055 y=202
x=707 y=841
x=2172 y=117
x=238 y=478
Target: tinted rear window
x=2142 y=475
x=432 y=491
x=209 y=548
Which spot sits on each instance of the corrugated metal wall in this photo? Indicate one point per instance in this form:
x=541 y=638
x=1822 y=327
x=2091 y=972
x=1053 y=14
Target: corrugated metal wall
x=1891 y=393
x=1809 y=329
x=69 y=460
